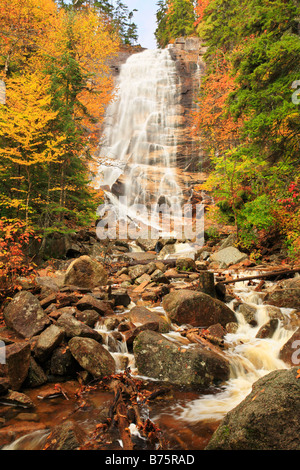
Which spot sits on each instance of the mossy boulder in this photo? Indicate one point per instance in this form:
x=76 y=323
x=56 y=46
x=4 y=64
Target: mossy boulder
x=267 y=419
x=190 y=367
x=92 y=357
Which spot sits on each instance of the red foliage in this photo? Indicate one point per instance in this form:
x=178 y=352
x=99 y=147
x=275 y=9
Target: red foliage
x=14 y=260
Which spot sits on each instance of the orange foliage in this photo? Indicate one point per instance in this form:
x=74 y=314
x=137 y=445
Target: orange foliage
x=287 y=213
x=215 y=127
x=199 y=10
x=92 y=43
x=22 y=23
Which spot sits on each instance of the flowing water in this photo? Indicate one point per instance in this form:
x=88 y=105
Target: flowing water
x=139 y=148
x=139 y=130
x=250 y=358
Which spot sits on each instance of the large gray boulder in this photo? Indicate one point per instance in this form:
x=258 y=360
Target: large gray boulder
x=92 y=357
x=228 y=256
x=285 y=294
x=168 y=361
x=267 y=419
x=196 y=309
x=86 y=272
x=25 y=315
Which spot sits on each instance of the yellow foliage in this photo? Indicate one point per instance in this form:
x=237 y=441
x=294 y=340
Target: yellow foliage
x=24 y=122
x=22 y=23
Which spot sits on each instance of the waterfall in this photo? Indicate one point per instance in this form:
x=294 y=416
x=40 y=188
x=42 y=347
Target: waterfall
x=137 y=158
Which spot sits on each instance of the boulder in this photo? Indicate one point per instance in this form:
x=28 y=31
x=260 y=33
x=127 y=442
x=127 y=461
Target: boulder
x=25 y=315
x=158 y=276
x=89 y=302
x=185 y=264
x=17 y=364
x=62 y=363
x=194 y=367
x=47 y=285
x=143 y=279
x=18 y=399
x=86 y=272
x=141 y=316
x=137 y=271
x=228 y=256
x=89 y=317
x=65 y=436
x=36 y=376
x=287 y=297
x=249 y=313
x=73 y=327
x=267 y=419
x=274 y=312
x=231 y=240
x=130 y=335
x=120 y=297
x=111 y=323
x=196 y=309
x=92 y=357
x=47 y=341
x=268 y=330
x=145 y=244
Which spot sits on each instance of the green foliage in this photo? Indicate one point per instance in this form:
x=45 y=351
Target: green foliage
x=255 y=216
x=119 y=16
x=175 y=18
x=260 y=42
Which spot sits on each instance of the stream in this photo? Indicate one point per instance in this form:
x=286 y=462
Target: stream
x=186 y=418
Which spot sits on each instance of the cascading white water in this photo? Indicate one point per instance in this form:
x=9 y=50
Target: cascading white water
x=250 y=359
x=139 y=145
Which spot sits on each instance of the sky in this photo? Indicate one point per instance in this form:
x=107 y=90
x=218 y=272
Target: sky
x=145 y=19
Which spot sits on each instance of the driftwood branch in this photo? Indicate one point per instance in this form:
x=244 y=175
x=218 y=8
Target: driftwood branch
x=268 y=275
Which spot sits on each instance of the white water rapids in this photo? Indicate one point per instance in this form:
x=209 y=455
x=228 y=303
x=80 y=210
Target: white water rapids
x=250 y=359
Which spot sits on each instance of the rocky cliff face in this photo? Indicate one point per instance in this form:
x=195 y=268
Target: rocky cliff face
x=188 y=56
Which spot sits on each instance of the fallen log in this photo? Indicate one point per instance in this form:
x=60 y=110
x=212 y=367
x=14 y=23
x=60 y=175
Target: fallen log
x=126 y=410
x=270 y=274
x=171 y=263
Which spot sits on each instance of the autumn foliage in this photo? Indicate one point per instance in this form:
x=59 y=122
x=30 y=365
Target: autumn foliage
x=246 y=121
x=54 y=62
x=200 y=9
x=15 y=262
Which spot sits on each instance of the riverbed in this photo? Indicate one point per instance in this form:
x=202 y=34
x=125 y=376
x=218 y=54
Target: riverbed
x=187 y=419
